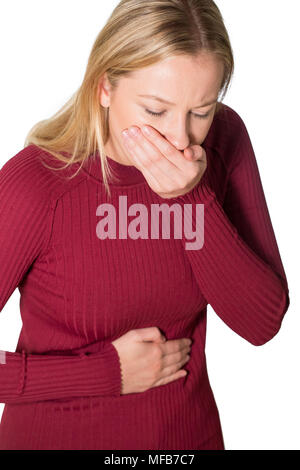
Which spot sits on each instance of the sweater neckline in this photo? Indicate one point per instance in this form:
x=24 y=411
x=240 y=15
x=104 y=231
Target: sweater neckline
x=122 y=175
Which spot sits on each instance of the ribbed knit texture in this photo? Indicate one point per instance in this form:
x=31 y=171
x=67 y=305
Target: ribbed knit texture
x=62 y=385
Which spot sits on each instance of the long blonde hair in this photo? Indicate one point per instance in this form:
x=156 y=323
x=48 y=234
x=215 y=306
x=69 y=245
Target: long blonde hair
x=138 y=33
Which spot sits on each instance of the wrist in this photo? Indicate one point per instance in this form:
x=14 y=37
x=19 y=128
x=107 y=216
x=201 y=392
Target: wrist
x=201 y=193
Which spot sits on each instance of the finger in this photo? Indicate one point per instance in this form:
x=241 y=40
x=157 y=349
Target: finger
x=178 y=375
x=130 y=146
x=174 y=346
x=175 y=358
x=165 y=147
x=172 y=367
x=189 y=154
x=194 y=153
x=152 y=180
x=151 y=161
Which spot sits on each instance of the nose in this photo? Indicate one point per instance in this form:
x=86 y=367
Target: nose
x=178 y=134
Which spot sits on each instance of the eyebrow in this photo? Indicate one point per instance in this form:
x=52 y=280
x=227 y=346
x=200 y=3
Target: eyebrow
x=157 y=98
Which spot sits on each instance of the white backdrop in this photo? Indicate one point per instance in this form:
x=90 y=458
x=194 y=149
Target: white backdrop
x=44 y=51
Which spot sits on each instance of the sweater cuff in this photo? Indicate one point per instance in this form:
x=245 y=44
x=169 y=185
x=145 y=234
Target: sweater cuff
x=87 y=374
x=39 y=377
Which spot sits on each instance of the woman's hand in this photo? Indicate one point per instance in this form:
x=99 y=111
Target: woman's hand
x=148 y=360
x=169 y=172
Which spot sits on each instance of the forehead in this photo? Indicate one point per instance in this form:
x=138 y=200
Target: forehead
x=179 y=76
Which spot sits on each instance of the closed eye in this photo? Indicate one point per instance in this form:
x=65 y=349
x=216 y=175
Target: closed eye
x=200 y=116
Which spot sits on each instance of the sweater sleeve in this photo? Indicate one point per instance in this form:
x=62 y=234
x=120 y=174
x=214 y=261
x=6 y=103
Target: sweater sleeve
x=25 y=220
x=238 y=267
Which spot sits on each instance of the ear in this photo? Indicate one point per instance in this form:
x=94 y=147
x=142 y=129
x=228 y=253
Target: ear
x=104 y=91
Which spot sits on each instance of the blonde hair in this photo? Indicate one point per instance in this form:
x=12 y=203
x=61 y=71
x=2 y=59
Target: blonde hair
x=138 y=33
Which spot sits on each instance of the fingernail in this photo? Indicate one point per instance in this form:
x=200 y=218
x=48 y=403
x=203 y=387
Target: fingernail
x=125 y=134
x=133 y=131
x=146 y=130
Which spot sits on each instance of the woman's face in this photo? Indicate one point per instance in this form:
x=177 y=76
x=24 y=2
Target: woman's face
x=191 y=85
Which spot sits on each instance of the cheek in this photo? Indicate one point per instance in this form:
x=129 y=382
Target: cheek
x=200 y=129
x=124 y=118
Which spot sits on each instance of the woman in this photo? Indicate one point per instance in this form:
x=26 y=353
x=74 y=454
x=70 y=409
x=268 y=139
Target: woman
x=109 y=302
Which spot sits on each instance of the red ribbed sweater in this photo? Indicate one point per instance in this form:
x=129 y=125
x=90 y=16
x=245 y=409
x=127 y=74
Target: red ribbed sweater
x=61 y=387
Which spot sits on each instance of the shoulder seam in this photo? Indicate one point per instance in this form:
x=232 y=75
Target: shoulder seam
x=53 y=201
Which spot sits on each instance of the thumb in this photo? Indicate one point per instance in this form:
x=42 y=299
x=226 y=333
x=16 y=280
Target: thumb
x=194 y=153
x=151 y=334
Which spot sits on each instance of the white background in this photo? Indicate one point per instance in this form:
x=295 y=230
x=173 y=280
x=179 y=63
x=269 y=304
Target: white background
x=44 y=52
